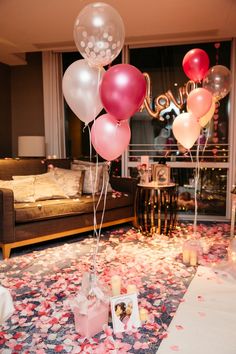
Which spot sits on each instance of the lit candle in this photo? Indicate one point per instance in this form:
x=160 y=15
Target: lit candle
x=131 y=288
x=193 y=257
x=143 y=314
x=115 y=285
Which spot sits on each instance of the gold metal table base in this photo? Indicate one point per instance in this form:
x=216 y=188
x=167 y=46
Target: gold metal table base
x=155 y=208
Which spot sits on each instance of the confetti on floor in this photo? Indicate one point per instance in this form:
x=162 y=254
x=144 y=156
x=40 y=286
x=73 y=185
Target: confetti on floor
x=42 y=282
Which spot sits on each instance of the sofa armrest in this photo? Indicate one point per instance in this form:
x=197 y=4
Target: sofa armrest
x=124 y=184
x=7 y=216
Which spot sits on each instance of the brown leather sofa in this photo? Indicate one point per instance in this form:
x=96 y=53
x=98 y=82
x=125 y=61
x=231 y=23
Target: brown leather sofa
x=28 y=223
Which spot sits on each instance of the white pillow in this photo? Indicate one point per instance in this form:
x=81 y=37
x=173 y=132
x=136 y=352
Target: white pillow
x=94 y=175
x=23 y=189
x=47 y=188
x=70 y=181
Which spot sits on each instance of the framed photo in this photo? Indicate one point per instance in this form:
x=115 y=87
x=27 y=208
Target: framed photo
x=161 y=174
x=124 y=312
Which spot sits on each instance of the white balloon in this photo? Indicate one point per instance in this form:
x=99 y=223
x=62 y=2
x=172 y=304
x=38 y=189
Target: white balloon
x=80 y=86
x=99 y=33
x=186 y=129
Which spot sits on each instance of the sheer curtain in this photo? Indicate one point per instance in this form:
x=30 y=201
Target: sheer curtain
x=54 y=119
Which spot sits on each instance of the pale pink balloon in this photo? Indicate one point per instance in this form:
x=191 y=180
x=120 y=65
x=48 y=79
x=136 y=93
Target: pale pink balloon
x=80 y=85
x=122 y=90
x=199 y=102
x=110 y=137
x=186 y=129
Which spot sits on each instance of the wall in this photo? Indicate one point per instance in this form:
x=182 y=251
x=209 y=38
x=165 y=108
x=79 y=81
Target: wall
x=5 y=111
x=27 y=99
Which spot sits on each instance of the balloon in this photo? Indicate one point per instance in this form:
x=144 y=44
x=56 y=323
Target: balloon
x=199 y=102
x=186 y=129
x=218 y=81
x=99 y=33
x=195 y=64
x=80 y=86
x=122 y=90
x=203 y=121
x=109 y=137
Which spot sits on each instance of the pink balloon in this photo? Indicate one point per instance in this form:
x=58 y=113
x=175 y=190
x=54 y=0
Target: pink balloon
x=199 y=102
x=122 y=90
x=110 y=137
x=186 y=129
x=195 y=64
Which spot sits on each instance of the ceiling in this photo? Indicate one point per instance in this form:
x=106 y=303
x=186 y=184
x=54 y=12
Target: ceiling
x=37 y=25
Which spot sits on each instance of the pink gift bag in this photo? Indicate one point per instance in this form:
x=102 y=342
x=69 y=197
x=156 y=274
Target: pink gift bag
x=90 y=307
x=90 y=324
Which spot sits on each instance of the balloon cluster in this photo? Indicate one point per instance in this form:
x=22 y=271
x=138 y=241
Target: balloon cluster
x=88 y=87
x=201 y=102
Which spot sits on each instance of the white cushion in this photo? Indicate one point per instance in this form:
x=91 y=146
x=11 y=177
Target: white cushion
x=23 y=189
x=70 y=181
x=91 y=178
x=48 y=188
x=99 y=174
x=45 y=186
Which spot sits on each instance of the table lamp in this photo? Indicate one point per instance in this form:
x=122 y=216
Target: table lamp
x=31 y=146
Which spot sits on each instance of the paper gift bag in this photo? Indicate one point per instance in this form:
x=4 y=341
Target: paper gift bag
x=90 y=307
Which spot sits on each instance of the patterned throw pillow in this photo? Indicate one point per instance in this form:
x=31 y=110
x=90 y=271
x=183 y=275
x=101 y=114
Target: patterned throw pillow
x=92 y=177
x=96 y=176
x=70 y=181
x=45 y=186
x=23 y=189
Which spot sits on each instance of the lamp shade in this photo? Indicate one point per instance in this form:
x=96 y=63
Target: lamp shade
x=31 y=146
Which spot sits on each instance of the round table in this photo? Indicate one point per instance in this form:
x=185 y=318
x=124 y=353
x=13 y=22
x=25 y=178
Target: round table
x=156 y=208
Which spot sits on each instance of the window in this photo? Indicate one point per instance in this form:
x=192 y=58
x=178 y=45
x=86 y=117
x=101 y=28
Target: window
x=154 y=137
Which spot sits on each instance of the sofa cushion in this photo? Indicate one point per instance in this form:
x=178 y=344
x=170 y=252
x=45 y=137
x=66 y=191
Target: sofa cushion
x=96 y=176
x=45 y=186
x=23 y=189
x=27 y=212
x=70 y=181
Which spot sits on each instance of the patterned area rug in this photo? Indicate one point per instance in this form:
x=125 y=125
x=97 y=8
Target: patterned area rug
x=42 y=282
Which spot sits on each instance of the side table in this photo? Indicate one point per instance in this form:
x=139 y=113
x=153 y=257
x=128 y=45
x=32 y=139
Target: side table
x=156 y=208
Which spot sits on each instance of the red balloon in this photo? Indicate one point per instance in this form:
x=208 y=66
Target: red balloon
x=196 y=64
x=122 y=90
x=110 y=137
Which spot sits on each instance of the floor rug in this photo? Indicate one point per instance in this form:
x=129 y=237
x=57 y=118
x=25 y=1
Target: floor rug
x=205 y=321
x=42 y=282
